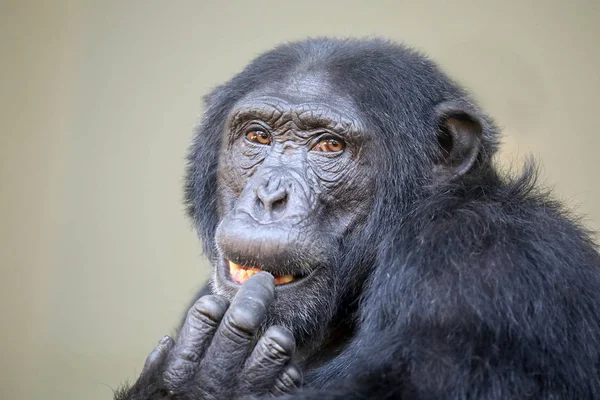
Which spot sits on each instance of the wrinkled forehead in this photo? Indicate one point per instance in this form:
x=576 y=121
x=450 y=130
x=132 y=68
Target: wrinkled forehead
x=308 y=93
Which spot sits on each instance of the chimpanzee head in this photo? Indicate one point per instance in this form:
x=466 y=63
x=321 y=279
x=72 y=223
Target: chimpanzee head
x=306 y=159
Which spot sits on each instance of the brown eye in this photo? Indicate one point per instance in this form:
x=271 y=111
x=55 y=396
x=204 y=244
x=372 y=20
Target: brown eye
x=258 y=136
x=329 y=146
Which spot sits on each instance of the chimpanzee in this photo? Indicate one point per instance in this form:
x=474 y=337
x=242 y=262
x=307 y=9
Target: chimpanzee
x=364 y=245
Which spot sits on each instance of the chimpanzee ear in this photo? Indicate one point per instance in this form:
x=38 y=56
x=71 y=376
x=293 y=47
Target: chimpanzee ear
x=459 y=137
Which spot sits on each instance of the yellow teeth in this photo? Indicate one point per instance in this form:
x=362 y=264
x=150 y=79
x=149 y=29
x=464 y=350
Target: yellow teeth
x=281 y=279
x=240 y=274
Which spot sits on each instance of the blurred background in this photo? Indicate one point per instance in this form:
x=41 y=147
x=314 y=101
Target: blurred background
x=97 y=104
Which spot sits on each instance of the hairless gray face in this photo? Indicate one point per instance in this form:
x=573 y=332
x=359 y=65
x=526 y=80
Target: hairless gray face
x=289 y=186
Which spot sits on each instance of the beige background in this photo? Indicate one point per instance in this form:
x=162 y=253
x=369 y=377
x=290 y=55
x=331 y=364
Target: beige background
x=97 y=103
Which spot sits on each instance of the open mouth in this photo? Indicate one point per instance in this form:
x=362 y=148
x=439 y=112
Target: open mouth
x=240 y=274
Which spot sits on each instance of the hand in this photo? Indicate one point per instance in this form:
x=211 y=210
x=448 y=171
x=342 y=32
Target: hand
x=215 y=356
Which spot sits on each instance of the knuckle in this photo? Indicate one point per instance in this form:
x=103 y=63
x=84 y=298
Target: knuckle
x=274 y=350
x=170 y=377
x=282 y=336
x=246 y=317
x=177 y=373
x=188 y=354
x=206 y=311
x=290 y=378
x=236 y=329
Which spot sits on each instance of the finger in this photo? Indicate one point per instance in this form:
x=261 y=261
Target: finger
x=288 y=381
x=195 y=336
x=268 y=359
x=234 y=338
x=151 y=372
x=158 y=355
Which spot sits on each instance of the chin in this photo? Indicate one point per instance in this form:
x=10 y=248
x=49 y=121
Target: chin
x=302 y=301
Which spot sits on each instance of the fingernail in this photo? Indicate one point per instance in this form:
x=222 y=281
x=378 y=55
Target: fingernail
x=164 y=340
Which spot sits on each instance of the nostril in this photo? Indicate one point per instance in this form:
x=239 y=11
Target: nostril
x=279 y=203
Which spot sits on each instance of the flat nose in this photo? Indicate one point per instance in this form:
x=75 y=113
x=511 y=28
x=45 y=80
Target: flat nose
x=273 y=195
